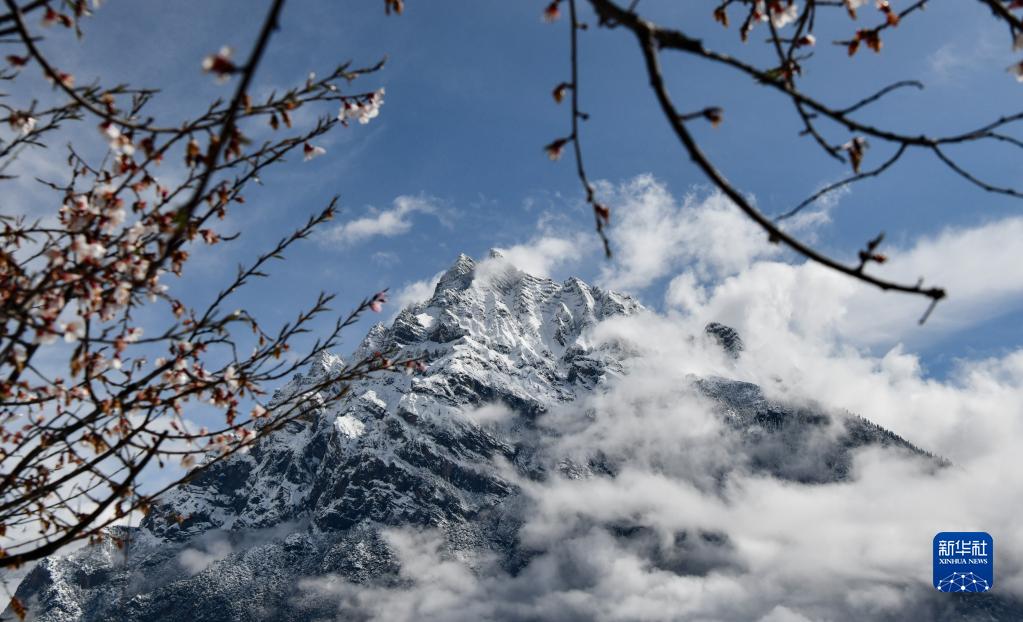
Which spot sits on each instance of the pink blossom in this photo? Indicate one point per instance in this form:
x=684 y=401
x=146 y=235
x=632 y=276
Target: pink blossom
x=118 y=142
x=377 y=303
x=552 y=11
x=220 y=64
x=783 y=13
x=73 y=331
x=122 y=293
x=45 y=336
x=22 y=122
x=310 y=152
x=1016 y=69
x=51 y=17
x=852 y=5
x=87 y=250
x=555 y=148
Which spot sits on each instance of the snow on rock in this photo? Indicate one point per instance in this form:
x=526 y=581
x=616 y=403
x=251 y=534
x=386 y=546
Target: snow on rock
x=312 y=498
x=349 y=427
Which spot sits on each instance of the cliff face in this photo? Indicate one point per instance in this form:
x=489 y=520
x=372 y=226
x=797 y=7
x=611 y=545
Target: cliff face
x=440 y=451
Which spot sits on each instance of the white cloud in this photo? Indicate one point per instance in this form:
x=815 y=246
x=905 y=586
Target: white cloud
x=490 y=414
x=954 y=62
x=380 y=223
x=981 y=268
x=385 y=258
x=542 y=256
x=685 y=293
x=784 y=614
x=195 y=560
x=848 y=551
x=720 y=264
x=856 y=547
x=654 y=235
x=716 y=263
x=413 y=292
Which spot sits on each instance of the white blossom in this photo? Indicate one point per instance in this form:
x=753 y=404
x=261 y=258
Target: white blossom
x=310 y=152
x=22 y=122
x=782 y=15
x=852 y=5
x=220 y=64
x=138 y=231
x=87 y=250
x=118 y=142
x=122 y=293
x=231 y=377
x=362 y=112
x=115 y=218
x=73 y=331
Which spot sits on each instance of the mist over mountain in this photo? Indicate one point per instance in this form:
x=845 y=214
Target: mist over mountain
x=544 y=467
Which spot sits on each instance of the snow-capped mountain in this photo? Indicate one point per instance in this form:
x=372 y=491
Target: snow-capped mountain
x=448 y=450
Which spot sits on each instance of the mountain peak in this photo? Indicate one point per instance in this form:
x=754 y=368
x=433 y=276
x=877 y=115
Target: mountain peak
x=325 y=363
x=727 y=337
x=531 y=319
x=458 y=276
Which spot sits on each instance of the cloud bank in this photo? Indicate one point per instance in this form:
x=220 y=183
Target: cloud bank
x=750 y=547
x=709 y=260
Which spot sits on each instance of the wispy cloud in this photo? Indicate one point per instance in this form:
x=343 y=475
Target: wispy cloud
x=981 y=267
x=958 y=60
x=396 y=220
x=540 y=256
x=385 y=258
x=413 y=292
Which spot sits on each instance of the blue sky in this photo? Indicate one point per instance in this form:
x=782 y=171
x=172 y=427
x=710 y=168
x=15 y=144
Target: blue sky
x=454 y=163
x=468 y=109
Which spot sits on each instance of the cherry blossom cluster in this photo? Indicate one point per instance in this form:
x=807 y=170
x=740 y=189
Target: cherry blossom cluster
x=362 y=110
x=95 y=285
